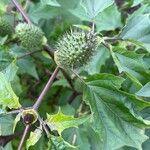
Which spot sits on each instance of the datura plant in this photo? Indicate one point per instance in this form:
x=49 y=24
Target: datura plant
x=74 y=75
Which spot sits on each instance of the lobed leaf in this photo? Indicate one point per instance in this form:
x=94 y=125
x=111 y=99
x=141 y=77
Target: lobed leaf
x=131 y=63
x=93 y=7
x=59 y=144
x=144 y=91
x=34 y=137
x=137 y=29
x=116 y=121
x=60 y=122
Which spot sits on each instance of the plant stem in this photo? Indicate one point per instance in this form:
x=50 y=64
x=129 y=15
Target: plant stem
x=11 y=112
x=46 y=88
x=68 y=79
x=73 y=96
x=78 y=77
x=49 y=50
x=113 y=39
x=22 y=11
x=26 y=130
x=106 y=45
x=28 y=54
x=93 y=27
x=44 y=126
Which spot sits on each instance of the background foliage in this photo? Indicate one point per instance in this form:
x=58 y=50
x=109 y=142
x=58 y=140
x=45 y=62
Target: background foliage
x=110 y=107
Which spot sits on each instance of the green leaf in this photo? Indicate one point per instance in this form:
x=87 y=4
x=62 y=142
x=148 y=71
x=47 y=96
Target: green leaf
x=61 y=82
x=137 y=29
x=94 y=138
x=50 y=2
x=6 y=124
x=102 y=20
x=97 y=61
x=61 y=122
x=68 y=109
x=16 y=85
x=58 y=143
x=39 y=11
x=115 y=113
x=49 y=9
x=136 y=2
x=94 y=7
x=144 y=91
x=6 y=128
x=34 y=137
x=89 y=10
x=5 y=58
x=131 y=63
x=109 y=19
x=27 y=66
x=61 y=3
x=80 y=13
x=131 y=84
x=3 y=6
x=82 y=138
x=10 y=71
x=16 y=120
x=7 y=97
x=3 y=40
x=147 y=61
x=71 y=4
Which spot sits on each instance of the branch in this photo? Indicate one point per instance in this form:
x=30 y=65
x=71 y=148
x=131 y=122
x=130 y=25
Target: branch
x=49 y=50
x=68 y=79
x=106 y=45
x=46 y=88
x=73 y=96
x=28 y=54
x=113 y=39
x=44 y=126
x=5 y=139
x=21 y=11
x=26 y=130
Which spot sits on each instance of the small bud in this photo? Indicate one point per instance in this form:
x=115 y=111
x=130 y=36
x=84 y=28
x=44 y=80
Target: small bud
x=29 y=116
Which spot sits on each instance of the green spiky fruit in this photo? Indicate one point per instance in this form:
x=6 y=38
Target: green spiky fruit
x=30 y=36
x=5 y=27
x=75 y=49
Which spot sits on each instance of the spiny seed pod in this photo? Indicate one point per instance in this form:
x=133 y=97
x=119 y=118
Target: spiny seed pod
x=5 y=27
x=75 y=49
x=30 y=36
x=29 y=116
